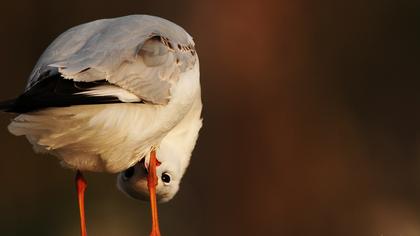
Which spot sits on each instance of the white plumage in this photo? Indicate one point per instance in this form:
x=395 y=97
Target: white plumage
x=143 y=58
x=108 y=94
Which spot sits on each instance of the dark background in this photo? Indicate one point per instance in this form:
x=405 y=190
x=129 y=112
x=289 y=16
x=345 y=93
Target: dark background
x=311 y=122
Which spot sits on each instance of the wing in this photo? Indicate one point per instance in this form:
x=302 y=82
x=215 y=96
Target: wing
x=142 y=54
x=56 y=91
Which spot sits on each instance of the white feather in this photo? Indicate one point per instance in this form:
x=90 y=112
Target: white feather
x=113 y=137
x=110 y=90
x=122 y=51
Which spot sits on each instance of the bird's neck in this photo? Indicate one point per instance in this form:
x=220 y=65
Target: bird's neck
x=184 y=94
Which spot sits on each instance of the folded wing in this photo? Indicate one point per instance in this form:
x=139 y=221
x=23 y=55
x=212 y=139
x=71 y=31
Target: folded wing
x=141 y=54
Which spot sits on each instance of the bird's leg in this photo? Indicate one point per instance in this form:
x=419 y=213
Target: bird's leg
x=152 y=181
x=81 y=185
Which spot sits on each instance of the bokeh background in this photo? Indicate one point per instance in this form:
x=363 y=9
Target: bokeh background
x=311 y=122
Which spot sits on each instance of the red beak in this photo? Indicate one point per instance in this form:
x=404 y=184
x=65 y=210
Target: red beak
x=152 y=181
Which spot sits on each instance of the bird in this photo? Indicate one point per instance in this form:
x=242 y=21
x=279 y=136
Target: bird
x=119 y=95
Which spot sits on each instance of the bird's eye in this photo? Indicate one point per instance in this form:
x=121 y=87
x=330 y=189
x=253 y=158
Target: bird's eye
x=166 y=178
x=128 y=173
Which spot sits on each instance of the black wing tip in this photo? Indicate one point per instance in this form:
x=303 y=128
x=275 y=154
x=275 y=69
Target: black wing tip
x=56 y=91
x=8 y=106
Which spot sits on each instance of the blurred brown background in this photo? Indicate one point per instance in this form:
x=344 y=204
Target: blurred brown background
x=311 y=122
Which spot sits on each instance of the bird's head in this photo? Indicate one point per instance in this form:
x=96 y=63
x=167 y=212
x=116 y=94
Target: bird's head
x=133 y=181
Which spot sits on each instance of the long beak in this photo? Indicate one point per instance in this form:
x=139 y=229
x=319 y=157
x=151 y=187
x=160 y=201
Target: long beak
x=152 y=182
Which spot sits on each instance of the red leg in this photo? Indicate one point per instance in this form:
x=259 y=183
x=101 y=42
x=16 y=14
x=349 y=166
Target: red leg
x=152 y=181
x=81 y=185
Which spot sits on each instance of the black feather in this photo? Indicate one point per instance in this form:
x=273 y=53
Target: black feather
x=56 y=91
